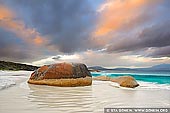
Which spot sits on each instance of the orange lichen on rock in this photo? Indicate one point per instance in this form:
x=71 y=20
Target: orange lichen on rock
x=62 y=74
x=63 y=82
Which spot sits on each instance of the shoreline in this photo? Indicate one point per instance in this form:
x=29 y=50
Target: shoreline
x=25 y=98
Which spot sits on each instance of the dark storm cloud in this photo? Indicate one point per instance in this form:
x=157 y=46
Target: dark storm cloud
x=10 y=48
x=57 y=57
x=145 y=27
x=67 y=23
x=68 y=26
x=154 y=36
x=161 y=52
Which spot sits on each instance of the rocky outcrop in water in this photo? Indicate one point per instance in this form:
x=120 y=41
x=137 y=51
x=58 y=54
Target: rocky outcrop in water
x=124 y=81
x=102 y=78
x=62 y=74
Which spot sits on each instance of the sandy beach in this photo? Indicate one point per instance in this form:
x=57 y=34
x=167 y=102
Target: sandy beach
x=82 y=56
x=27 y=98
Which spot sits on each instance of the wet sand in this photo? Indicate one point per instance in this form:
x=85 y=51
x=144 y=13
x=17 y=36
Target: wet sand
x=28 y=98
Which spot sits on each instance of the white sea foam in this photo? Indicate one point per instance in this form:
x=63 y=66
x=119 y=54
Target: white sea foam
x=10 y=78
x=152 y=85
x=144 y=86
x=5 y=83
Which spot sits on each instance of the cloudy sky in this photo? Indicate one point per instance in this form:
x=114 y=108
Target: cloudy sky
x=110 y=33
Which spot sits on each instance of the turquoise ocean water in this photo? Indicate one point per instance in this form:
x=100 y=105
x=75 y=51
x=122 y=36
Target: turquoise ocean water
x=159 y=77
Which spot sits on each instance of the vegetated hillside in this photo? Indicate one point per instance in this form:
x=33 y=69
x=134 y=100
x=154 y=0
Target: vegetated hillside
x=5 y=65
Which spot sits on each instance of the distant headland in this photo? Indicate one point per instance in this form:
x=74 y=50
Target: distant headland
x=160 y=68
x=9 y=65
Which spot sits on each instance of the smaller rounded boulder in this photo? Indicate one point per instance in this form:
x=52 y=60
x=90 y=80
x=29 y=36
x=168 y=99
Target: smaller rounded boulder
x=124 y=81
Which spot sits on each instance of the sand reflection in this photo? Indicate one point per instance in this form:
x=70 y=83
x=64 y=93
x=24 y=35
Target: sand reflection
x=72 y=99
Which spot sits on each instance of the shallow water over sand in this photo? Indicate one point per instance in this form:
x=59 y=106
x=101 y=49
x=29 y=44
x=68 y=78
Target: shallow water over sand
x=28 y=98
x=25 y=98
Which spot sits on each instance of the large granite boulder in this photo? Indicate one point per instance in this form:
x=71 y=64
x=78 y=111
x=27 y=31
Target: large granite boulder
x=62 y=74
x=124 y=81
